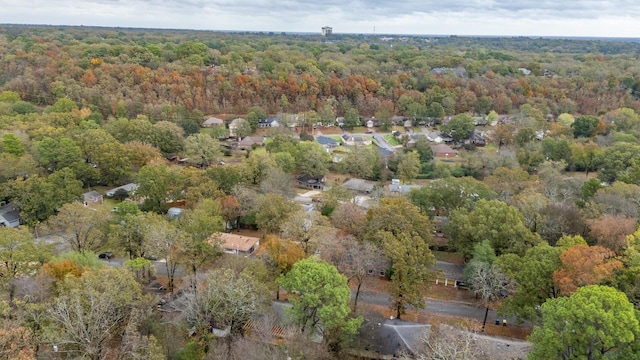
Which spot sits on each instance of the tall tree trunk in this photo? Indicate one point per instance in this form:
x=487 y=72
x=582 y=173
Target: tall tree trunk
x=486 y=313
x=355 y=302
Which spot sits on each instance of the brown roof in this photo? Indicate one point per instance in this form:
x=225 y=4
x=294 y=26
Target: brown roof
x=443 y=148
x=237 y=242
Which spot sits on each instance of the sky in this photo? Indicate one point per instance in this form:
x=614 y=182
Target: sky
x=592 y=18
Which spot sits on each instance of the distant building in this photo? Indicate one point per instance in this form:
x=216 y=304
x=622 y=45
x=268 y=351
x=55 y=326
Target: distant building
x=92 y=197
x=212 y=121
x=236 y=244
x=327 y=31
x=10 y=215
x=129 y=188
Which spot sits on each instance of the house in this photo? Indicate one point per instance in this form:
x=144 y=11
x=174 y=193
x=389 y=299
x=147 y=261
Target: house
x=174 y=212
x=340 y=121
x=371 y=122
x=129 y=188
x=479 y=120
x=435 y=136
x=10 y=215
x=402 y=189
x=397 y=120
x=234 y=125
x=356 y=140
x=359 y=186
x=524 y=71
x=327 y=142
x=92 y=197
x=236 y=244
x=443 y=150
x=212 y=121
x=310 y=182
x=477 y=138
x=250 y=141
x=268 y=122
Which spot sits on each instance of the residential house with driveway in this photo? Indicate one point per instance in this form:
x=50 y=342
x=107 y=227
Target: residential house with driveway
x=327 y=142
x=356 y=140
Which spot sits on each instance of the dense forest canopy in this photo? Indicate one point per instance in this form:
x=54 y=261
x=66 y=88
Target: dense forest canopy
x=516 y=157
x=154 y=72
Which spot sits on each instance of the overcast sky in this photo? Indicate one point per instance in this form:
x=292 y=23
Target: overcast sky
x=606 y=18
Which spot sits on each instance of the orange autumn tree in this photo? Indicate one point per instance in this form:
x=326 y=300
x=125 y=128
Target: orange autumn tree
x=280 y=255
x=59 y=270
x=584 y=265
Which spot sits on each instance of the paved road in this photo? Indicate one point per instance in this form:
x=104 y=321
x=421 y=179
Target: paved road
x=382 y=142
x=452 y=308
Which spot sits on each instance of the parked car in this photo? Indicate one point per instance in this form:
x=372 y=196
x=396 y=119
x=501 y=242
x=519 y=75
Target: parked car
x=107 y=255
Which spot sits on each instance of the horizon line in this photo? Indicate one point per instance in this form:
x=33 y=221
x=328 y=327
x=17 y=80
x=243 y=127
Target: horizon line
x=374 y=34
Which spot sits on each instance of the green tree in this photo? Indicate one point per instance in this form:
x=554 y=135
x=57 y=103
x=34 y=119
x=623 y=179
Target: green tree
x=9 y=97
x=443 y=196
x=491 y=220
x=19 y=256
x=584 y=126
x=351 y=118
x=320 y=297
x=362 y=162
x=396 y=216
x=312 y=159
x=64 y=105
x=12 y=145
x=272 y=211
x=56 y=154
x=614 y=161
x=156 y=185
x=459 y=127
x=409 y=167
x=593 y=323
x=168 y=137
x=533 y=277
x=200 y=243
x=410 y=262
x=255 y=113
x=202 y=149
x=39 y=198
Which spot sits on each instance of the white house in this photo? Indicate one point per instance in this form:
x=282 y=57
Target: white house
x=10 y=215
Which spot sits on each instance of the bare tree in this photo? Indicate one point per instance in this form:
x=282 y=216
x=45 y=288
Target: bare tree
x=226 y=300
x=357 y=260
x=488 y=282
x=91 y=312
x=80 y=226
x=304 y=227
x=276 y=181
x=164 y=241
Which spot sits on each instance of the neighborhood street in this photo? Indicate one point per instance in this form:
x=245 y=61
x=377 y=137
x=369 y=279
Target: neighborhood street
x=437 y=307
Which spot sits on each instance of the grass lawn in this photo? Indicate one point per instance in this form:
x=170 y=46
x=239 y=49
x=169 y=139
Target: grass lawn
x=391 y=140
